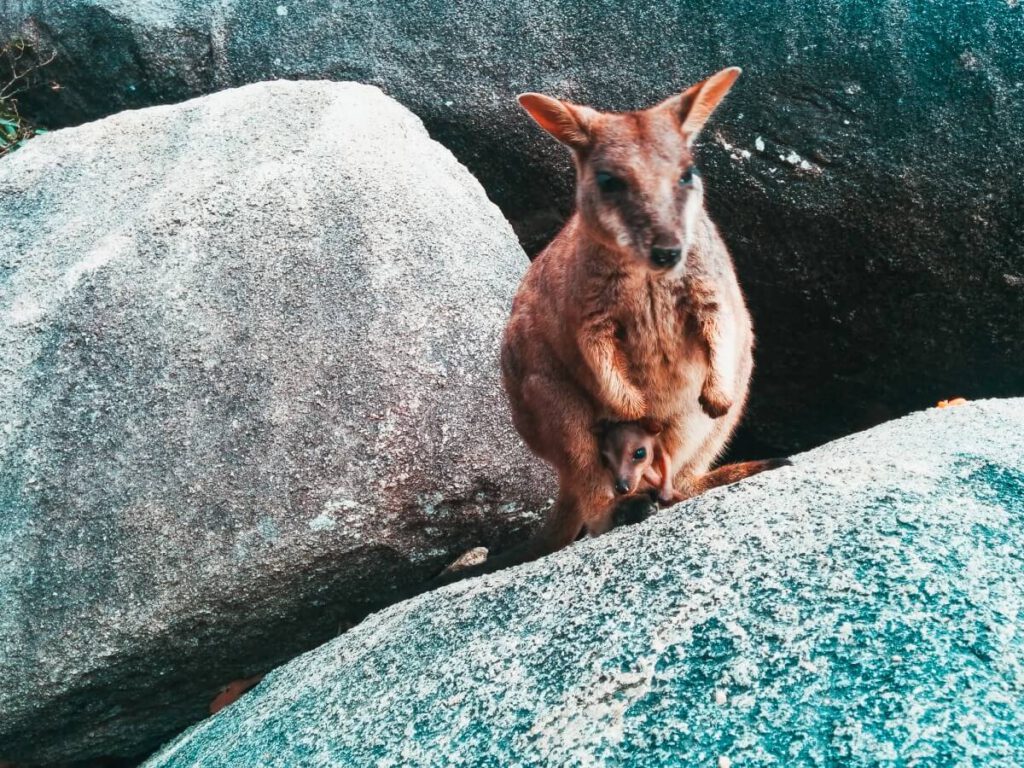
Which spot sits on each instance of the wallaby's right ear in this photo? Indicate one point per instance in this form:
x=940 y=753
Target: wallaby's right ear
x=566 y=122
x=694 y=106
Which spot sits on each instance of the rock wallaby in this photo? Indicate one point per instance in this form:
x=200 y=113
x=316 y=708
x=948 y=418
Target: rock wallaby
x=633 y=311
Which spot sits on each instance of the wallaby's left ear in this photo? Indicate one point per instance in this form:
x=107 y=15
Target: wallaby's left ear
x=695 y=105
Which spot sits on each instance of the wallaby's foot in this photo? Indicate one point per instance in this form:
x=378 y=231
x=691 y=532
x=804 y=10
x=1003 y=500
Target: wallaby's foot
x=633 y=509
x=714 y=401
x=467 y=559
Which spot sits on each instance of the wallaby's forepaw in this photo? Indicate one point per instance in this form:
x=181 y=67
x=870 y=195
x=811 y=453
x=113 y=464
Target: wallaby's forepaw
x=668 y=499
x=715 y=402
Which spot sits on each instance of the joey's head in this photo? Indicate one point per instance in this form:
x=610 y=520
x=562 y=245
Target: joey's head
x=627 y=450
x=638 y=191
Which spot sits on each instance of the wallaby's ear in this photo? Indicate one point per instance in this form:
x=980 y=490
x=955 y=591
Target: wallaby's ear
x=695 y=105
x=651 y=426
x=600 y=427
x=566 y=122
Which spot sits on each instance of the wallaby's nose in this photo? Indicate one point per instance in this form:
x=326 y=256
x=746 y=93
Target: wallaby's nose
x=666 y=257
x=622 y=485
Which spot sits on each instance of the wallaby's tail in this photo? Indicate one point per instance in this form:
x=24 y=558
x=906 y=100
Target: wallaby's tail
x=730 y=473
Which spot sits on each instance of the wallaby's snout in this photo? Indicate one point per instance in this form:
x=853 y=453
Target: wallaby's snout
x=622 y=486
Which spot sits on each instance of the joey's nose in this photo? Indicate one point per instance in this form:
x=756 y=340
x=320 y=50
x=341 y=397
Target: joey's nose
x=621 y=486
x=666 y=257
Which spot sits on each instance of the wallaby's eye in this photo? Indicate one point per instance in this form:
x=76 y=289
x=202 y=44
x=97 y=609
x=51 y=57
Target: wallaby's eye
x=609 y=183
x=688 y=176
x=640 y=454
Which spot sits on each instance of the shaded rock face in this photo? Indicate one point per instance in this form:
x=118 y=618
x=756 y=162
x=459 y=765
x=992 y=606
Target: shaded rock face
x=866 y=170
x=861 y=607
x=248 y=392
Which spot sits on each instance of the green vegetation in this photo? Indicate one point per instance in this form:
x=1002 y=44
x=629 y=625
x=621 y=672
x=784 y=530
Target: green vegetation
x=19 y=68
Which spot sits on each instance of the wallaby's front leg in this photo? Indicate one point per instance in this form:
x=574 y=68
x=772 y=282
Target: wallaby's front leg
x=660 y=477
x=719 y=334
x=602 y=355
x=665 y=491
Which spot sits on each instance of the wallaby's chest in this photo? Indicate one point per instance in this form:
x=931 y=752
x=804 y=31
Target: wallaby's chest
x=657 y=335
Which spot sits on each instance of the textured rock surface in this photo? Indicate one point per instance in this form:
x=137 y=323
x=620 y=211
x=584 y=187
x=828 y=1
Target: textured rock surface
x=863 y=607
x=866 y=170
x=248 y=390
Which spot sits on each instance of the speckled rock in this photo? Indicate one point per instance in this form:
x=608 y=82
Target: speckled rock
x=861 y=608
x=248 y=393
x=867 y=170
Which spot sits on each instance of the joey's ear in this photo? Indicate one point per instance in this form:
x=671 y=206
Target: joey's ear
x=566 y=122
x=694 y=106
x=600 y=428
x=651 y=426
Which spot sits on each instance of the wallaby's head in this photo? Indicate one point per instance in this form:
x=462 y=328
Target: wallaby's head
x=637 y=190
x=627 y=450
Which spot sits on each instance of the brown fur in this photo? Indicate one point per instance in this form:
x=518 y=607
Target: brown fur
x=600 y=329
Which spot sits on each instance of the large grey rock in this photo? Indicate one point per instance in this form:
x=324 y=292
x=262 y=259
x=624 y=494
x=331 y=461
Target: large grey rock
x=867 y=170
x=861 y=608
x=248 y=393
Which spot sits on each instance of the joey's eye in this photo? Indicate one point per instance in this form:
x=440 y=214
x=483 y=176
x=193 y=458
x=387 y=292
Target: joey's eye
x=688 y=176
x=609 y=183
x=639 y=454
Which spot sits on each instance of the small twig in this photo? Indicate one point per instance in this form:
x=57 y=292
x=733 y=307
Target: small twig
x=16 y=129
x=5 y=92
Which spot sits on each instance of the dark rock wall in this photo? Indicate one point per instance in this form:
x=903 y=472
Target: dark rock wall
x=877 y=234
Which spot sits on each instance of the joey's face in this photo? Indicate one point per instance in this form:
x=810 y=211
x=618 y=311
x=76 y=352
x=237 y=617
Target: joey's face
x=627 y=451
x=638 y=190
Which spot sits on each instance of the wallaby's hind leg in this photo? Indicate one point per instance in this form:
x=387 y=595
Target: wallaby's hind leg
x=566 y=439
